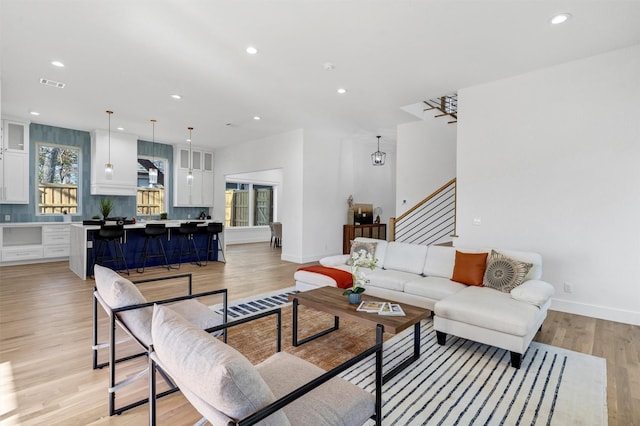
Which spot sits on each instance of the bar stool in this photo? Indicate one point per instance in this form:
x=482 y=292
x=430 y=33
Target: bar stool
x=214 y=229
x=109 y=235
x=185 y=236
x=153 y=232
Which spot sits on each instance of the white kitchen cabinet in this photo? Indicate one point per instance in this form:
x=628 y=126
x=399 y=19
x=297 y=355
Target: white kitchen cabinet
x=207 y=179
x=14 y=163
x=33 y=242
x=55 y=241
x=122 y=152
x=200 y=192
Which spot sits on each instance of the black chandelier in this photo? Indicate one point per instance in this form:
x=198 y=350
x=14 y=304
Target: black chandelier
x=378 y=158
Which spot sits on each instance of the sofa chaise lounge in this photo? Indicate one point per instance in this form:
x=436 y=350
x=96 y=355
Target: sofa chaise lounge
x=492 y=311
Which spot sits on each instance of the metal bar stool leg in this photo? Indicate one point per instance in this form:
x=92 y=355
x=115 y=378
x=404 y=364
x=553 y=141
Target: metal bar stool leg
x=220 y=249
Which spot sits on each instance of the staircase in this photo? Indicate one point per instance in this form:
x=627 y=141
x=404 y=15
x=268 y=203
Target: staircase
x=431 y=221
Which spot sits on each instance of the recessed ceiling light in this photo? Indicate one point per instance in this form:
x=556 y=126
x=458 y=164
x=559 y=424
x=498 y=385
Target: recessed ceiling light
x=342 y=90
x=120 y=128
x=252 y=50
x=176 y=96
x=57 y=64
x=34 y=113
x=560 y=18
x=257 y=117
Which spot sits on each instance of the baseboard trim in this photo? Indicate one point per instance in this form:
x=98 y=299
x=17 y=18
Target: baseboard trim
x=596 y=311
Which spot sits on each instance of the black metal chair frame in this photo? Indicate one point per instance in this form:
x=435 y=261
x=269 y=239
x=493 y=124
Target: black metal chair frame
x=185 y=234
x=153 y=232
x=101 y=243
x=214 y=235
x=111 y=344
x=302 y=390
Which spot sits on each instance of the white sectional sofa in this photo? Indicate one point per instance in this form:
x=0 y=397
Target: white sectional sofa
x=422 y=276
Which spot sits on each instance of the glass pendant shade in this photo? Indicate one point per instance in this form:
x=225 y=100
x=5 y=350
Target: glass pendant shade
x=153 y=172
x=108 y=168
x=190 y=174
x=153 y=176
x=378 y=158
x=108 y=171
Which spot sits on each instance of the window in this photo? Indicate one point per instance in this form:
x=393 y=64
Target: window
x=58 y=179
x=248 y=204
x=151 y=199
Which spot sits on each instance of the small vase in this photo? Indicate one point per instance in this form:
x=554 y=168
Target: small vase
x=355 y=298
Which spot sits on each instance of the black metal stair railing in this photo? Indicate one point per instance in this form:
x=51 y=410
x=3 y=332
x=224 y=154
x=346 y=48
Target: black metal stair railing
x=432 y=221
x=447 y=106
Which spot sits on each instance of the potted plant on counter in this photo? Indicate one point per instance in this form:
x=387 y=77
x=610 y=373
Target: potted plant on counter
x=106 y=206
x=163 y=216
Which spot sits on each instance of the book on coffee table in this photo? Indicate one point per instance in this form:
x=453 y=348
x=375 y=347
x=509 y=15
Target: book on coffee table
x=370 y=306
x=392 y=309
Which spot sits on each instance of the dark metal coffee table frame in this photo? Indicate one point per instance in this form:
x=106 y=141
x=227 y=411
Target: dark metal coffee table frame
x=330 y=300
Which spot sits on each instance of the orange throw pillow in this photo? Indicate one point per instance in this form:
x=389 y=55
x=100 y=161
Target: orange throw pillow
x=469 y=268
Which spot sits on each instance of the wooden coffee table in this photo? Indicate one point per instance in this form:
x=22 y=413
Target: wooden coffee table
x=331 y=300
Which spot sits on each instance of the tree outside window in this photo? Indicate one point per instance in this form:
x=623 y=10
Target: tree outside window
x=58 y=178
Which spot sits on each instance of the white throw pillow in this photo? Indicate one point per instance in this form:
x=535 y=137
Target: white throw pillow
x=212 y=370
x=336 y=260
x=535 y=292
x=118 y=292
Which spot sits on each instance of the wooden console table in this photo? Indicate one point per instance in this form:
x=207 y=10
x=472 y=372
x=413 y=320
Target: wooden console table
x=350 y=232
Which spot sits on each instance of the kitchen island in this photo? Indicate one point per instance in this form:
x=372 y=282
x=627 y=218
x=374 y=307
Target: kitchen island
x=82 y=239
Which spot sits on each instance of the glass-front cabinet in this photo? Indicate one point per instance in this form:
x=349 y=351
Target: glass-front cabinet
x=196 y=191
x=14 y=163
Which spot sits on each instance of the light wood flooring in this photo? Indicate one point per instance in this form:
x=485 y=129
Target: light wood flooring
x=45 y=340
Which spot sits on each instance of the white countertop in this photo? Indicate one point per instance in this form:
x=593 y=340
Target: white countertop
x=21 y=224
x=141 y=224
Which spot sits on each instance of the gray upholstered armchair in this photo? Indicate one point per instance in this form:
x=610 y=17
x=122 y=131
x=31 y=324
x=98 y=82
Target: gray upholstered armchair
x=282 y=390
x=129 y=310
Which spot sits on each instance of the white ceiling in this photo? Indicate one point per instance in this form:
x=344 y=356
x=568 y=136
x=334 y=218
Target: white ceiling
x=130 y=55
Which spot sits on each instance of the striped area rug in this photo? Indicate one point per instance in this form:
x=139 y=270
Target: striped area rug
x=252 y=305
x=468 y=383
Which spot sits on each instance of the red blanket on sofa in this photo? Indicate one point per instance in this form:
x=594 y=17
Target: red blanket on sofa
x=343 y=279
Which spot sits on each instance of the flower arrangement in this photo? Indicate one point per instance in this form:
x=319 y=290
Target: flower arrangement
x=360 y=259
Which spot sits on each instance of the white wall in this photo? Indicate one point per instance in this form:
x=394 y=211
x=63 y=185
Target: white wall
x=550 y=162
x=336 y=166
x=426 y=160
x=283 y=152
x=320 y=169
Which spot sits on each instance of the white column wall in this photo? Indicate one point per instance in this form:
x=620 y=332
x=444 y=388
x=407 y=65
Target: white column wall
x=426 y=160
x=282 y=151
x=549 y=161
x=320 y=169
x=336 y=166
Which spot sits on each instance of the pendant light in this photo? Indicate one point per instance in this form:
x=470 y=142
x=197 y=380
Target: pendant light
x=378 y=157
x=153 y=172
x=190 y=174
x=108 y=168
